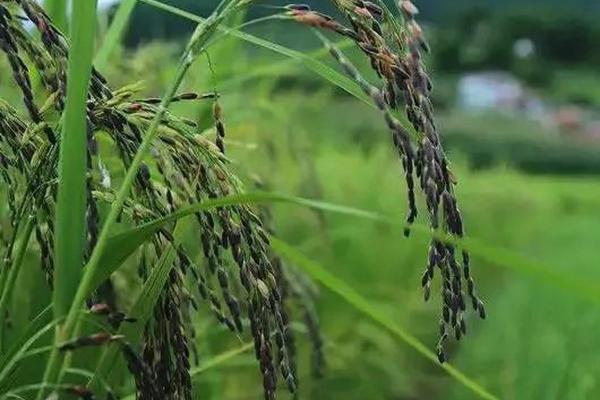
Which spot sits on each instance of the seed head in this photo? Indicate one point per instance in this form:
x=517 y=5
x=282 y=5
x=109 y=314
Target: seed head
x=408 y=8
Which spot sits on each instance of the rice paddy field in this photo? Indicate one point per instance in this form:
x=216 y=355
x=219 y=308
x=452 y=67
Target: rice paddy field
x=230 y=218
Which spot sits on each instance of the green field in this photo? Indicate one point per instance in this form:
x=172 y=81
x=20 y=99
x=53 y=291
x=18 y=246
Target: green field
x=529 y=199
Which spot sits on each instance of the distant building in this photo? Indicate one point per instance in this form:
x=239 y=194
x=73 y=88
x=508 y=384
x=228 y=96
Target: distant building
x=486 y=90
x=593 y=131
x=569 y=119
x=502 y=92
x=495 y=90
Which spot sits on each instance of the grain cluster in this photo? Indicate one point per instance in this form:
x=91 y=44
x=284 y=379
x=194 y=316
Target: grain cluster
x=395 y=52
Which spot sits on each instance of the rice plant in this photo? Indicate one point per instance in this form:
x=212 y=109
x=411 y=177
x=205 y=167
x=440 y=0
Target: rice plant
x=88 y=215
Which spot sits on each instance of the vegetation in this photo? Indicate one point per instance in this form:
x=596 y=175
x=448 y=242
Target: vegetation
x=165 y=261
x=523 y=145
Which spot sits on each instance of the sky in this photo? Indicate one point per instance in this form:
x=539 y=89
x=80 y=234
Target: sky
x=101 y=3
x=106 y=3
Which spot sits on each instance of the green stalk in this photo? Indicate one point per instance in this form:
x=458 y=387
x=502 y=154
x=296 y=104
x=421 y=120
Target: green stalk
x=361 y=304
x=142 y=308
x=71 y=204
x=4 y=267
x=22 y=210
x=220 y=359
x=115 y=33
x=9 y=250
x=57 y=11
x=200 y=37
x=72 y=168
x=14 y=273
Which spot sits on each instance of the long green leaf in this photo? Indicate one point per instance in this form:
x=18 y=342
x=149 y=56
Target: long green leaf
x=57 y=11
x=142 y=308
x=312 y=63
x=11 y=362
x=40 y=387
x=15 y=268
x=20 y=344
x=279 y=67
x=70 y=214
x=220 y=359
x=122 y=245
x=323 y=70
x=72 y=168
x=115 y=33
x=361 y=304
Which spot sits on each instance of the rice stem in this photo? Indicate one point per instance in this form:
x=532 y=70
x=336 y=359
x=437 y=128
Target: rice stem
x=14 y=273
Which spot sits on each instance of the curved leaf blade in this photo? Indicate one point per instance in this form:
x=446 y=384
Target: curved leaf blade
x=321 y=69
x=72 y=167
x=220 y=359
x=141 y=309
x=122 y=245
x=361 y=304
x=21 y=348
x=115 y=32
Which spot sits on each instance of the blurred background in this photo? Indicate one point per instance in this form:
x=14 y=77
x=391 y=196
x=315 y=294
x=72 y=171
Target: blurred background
x=517 y=95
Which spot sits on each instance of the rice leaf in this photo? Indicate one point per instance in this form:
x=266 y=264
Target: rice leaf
x=57 y=11
x=20 y=344
x=71 y=206
x=11 y=362
x=321 y=69
x=122 y=245
x=321 y=275
x=115 y=33
x=14 y=273
x=280 y=67
x=142 y=308
x=220 y=359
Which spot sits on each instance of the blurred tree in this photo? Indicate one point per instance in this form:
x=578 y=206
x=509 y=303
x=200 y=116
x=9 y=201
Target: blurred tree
x=147 y=23
x=481 y=39
x=469 y=34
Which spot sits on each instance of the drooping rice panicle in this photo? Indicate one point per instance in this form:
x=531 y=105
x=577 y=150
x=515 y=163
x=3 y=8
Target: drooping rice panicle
x=396 y=57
